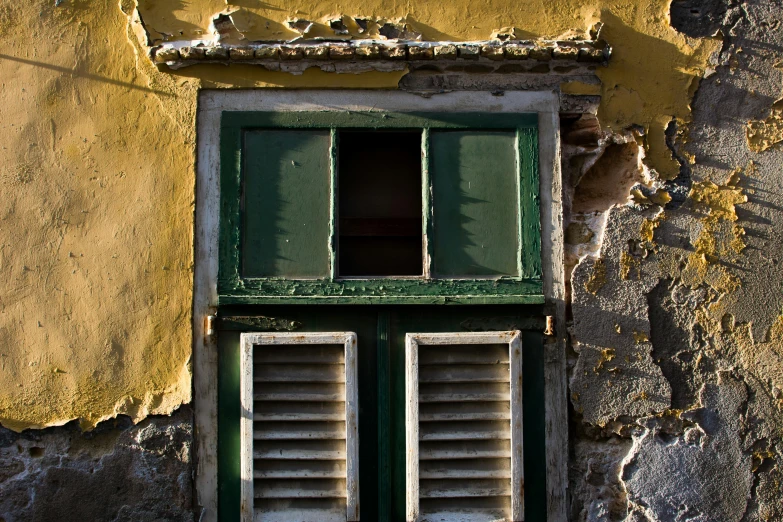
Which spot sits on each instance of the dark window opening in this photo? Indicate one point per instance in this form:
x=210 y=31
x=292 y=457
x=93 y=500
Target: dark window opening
x=380 y=209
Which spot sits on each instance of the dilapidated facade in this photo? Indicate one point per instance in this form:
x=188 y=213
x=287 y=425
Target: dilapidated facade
x=660 y=210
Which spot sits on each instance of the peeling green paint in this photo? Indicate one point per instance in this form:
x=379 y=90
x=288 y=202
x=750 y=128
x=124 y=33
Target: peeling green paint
x=259 y=323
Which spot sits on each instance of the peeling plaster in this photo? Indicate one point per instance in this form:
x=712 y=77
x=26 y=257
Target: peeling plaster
x=94 y=315
x=649 y=43
x=767 y=133
x=700 y=476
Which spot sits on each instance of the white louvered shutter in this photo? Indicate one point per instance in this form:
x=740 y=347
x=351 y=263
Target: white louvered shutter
x=464 y=427
x=299 y=427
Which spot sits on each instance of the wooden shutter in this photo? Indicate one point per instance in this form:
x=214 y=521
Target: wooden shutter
x=464 y=427
x=286 y=202
x=475 y=203
x=299 y=427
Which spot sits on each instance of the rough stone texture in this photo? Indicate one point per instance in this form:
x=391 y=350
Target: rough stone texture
x=565 y=53
x=704 y=474
x=615 y=375
x=698 y=18
x=595 y=474
x=118 y=472
x=678 y=343
x=700 y=284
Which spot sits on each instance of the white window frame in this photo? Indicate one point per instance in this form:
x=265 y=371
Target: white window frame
x=213 y=102
x=412 y=343
x=248 y=342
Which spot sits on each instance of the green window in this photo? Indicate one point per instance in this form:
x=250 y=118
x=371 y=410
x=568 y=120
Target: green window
x=342 y=235
x=376 y=207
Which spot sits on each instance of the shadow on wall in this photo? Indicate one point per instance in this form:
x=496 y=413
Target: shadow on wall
x=80 y=74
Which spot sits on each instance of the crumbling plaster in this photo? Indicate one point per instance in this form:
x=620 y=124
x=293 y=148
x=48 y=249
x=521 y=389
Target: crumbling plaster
x=676 y=297
x=677 y=302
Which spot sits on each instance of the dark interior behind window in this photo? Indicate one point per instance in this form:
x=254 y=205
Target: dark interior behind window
x=380 y=208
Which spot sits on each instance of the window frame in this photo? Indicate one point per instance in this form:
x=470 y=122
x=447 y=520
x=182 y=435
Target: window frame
x=524 y=288
x=547 y=104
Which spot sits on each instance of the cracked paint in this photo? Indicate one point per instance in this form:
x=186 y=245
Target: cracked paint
x=767 y=133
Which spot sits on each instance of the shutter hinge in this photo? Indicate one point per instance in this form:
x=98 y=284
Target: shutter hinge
x=550 y=326
x=209 y=325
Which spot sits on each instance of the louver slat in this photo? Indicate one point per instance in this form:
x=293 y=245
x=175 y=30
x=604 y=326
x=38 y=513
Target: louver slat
x=464 y=392
x=464 y=423
x=451 y=450
x=300 y=451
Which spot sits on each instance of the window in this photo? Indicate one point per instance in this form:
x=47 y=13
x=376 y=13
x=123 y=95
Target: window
x=299 y=181
x=379 y=186
x=379 y=207
x=300 y=438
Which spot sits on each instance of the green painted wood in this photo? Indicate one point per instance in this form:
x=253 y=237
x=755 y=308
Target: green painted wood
x=286 y=204
x=480 y=318
x=381 y=341
x=529 y=205
x=229 y=414
x=364 y=323
x=257 y=323
x=384 y=420
x=235 y=288
x=377 y=120
x=230 y=171
x=374 y=300
x=333 y=213
x=475 y=207
x=386 y=291
x=426 y=202
x=533 y=425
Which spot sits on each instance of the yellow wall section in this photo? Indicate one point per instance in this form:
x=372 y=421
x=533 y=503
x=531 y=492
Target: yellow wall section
x=97 y=173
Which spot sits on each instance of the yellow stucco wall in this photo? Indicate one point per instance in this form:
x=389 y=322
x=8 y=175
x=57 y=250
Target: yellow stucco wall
x=97 y=173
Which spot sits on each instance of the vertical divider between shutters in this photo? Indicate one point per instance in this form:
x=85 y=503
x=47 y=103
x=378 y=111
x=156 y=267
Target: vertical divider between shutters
x=384 y=419
x=412 y=428
x=517 y=448
x=246 y=431
x=351 y=430
x=426 y=203
x=529 y=204
x=333 y=203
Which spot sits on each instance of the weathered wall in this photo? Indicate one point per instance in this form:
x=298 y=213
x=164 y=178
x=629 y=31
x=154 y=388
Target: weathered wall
x=678 y=370
x=677 y=297
x=118 y=471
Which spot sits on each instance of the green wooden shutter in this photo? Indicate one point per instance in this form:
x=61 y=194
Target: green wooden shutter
x=286 y=204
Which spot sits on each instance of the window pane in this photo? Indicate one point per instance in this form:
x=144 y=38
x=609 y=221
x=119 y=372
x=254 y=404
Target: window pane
x=380 y=203
x=475 y=203
x=286 y=204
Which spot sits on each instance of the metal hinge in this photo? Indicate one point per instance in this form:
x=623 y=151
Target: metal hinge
x=550 y=325
x=209 y=325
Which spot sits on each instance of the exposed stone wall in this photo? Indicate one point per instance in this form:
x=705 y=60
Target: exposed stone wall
x=116 y=472
x=677 y=330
